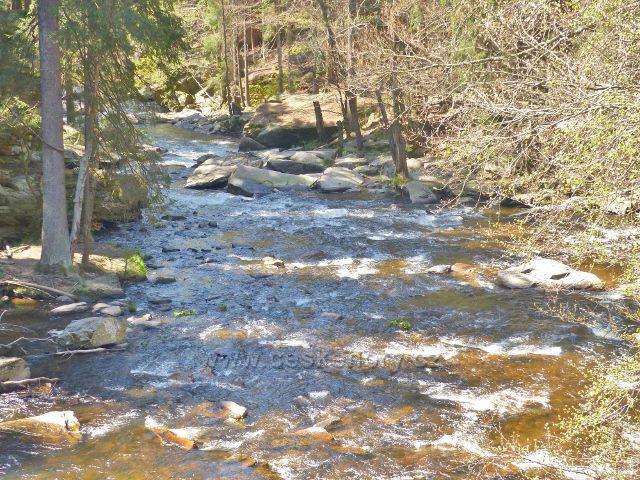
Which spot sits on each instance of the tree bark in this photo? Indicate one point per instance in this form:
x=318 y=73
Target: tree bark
x=385 y=122
x=68 y=96
x=279 y=49
x=352 y=101
x=91 y=72
x=322 y=134
x=56 y=248
x=226 y=59
x=16 y=5
x=87 y=217
x=246 y=66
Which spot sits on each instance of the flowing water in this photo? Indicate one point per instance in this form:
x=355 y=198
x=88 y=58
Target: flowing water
x=307 y=342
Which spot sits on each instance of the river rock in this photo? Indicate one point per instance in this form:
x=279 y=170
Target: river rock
x=104 y=286
x=351 y=163
x=210 y=176
x=273 y=262
x=315 y=432
x=207 y=156
x=91 y=332
x=248 y=144
x=548 y=274
x=385 y=165
x=52 y=426
x=106 y=309
x=251 y=181
x=326 y=154
x=12 y=369
x=440 y=269
x=78 y=307
x=336 y=179
x=298 y=163
x=233 y=410
x=187 y=438
x=419 y=193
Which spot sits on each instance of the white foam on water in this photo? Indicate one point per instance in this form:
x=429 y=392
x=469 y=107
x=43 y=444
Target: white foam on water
x=155 y=369
x=221 y=445
x=503 y=401
x=329 y=213
x=365 y=266
x=288 y=342
x=434 y=350
x=508 y=348
x=209 y=332
x=319 y=395
x=115 y=422
x=461 y=440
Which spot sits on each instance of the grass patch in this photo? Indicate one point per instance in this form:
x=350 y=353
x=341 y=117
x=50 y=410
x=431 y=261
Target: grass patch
x=401 y=324
x=184 y=313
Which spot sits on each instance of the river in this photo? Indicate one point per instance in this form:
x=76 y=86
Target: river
x=317 y=339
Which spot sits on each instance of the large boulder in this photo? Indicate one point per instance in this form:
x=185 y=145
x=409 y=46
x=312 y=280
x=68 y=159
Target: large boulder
x=103 y=286
x=336 y=179
x=91 y=332
x=291 y=120
x=248 y=144
x=51 y=427
x=419 y=193
x=351 y=162
x=210 y=176
x=548 y=274
x=251 y=181
x=12 y=369
x=298 y=163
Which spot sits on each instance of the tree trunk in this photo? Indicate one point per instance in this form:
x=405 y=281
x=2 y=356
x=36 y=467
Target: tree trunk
x=322 y=135
x=56 y=248
x=68 y=95
x=246 y=66
x=396 y=129
x=227 y=90
x=340 y=145
x=91 y=72
x=87 y=217
x=16 y=5
x=385 y=122
x=279 y=49
x=280 y=74
x=355 y=122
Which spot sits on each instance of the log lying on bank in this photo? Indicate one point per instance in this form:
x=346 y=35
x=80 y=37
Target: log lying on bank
x=53 y=292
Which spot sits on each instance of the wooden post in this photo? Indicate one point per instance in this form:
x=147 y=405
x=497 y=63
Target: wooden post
x=322 y=134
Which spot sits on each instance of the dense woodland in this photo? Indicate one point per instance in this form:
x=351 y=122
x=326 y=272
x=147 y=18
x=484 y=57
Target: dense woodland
x=533 y=105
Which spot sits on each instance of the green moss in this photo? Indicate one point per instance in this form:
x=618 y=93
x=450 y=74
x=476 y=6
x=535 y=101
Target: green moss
x=184 y=313
x=401 y=324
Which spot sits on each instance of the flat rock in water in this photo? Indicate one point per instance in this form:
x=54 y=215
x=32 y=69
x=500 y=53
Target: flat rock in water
x=207 y=156
x=187 y=438
x=419 y=192
x=233 y=410
x=105 y=286
x=52 y=426
x=548 y=274
x=210 y=176
x=12 y=369
x=91 y=332
x=159 y=300
x=440 y=269
x=315 y=432
x=251 y=181
x=78 y=307
x=298 y=163
x=336 y=179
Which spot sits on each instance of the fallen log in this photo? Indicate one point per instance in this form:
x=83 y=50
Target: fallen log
x=17 y=385
x=43 y=288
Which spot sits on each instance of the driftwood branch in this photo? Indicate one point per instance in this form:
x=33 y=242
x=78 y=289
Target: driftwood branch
x=16 y=385
x=115 y=348
x=48 y=290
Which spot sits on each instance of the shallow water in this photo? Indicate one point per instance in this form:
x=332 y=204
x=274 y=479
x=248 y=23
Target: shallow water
x=432 y=402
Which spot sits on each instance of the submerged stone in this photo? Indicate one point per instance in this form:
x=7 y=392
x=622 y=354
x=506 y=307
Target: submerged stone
x=91 y=332
x=12 y=369
x=52 y=426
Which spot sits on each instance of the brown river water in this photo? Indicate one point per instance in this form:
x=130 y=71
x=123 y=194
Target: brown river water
x=480 y=366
